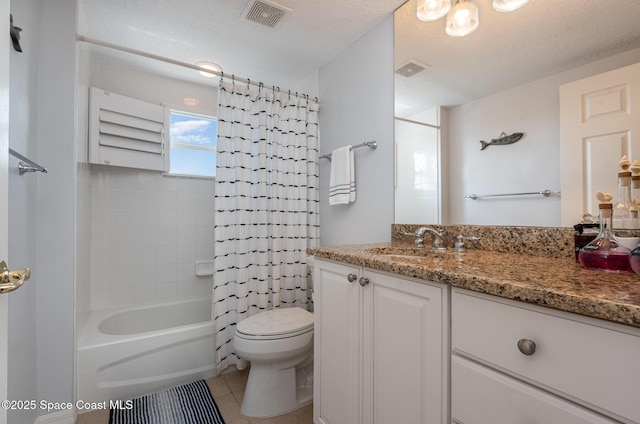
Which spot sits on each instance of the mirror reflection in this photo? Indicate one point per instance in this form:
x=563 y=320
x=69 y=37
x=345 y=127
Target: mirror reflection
x=451 y=93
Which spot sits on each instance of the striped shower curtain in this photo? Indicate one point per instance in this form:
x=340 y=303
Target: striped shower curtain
x=266 y=206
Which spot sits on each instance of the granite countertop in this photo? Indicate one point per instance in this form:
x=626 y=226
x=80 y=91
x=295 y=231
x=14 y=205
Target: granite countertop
x=554 y=282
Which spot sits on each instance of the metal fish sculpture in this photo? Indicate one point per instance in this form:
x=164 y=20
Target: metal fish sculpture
x=502 y=140
x=15 y=34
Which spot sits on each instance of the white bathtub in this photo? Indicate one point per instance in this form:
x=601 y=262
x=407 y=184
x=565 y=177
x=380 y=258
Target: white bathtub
x=127 y=353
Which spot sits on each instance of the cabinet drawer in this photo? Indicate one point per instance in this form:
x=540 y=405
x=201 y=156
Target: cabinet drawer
x=576 y=358
x=482 y=396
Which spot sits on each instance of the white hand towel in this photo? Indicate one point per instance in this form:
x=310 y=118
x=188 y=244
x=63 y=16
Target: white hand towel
x=342 y=181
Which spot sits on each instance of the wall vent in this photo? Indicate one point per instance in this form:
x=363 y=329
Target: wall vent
x=411 y=68
x=265 y=12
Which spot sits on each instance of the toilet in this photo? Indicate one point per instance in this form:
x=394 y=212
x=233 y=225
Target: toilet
x=279 y=345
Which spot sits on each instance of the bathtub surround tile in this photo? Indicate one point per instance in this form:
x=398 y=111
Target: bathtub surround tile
x=168 y=200
x=167 y=254
x=143 y=225
x=167 y=292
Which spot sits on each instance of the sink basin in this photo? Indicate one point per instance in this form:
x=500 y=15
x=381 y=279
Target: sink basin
x=407 y=251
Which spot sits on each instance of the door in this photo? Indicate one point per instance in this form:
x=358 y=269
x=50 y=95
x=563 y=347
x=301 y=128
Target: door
x=405 y=351
x=337 y=365
x=599 y=122
x=5 y=42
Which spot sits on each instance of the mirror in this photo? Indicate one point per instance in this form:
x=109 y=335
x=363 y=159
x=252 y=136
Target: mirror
x=502 y=78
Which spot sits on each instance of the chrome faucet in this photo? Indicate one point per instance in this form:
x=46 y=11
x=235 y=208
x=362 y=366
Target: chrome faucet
x=436 y=244
x=459 y=246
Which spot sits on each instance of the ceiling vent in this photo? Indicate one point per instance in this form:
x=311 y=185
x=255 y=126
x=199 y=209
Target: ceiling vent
x=411 y=68
x=265 y=12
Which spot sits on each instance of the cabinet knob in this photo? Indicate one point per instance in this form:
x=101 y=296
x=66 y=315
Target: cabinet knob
x=364 y=281
x=527 y=347
x=352 y=277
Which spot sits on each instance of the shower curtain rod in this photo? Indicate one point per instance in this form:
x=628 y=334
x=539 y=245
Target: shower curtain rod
x=185 y=64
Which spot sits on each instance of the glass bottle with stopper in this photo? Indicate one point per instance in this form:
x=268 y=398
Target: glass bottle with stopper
x=635 y=188
x=605 y=252
x=625 y=213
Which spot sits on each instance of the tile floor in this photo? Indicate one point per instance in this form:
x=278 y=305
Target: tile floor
x=227 y=390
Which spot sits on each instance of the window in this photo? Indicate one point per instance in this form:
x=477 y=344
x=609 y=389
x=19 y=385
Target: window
x=192 y=144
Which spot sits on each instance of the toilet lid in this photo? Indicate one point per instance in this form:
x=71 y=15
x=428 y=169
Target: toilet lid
x=277 y=322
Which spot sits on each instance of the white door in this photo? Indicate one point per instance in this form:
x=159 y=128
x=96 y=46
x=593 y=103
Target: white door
x=336 y=388
x=599 y=122
x=405 y=356
x=5 y=42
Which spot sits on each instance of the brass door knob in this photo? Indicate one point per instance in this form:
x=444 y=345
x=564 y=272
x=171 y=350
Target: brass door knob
x=11 y=280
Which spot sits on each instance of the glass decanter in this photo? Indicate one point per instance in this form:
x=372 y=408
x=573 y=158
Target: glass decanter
x=605 y=252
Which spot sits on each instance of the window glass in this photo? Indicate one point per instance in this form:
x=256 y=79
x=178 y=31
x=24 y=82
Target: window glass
x=192 y=144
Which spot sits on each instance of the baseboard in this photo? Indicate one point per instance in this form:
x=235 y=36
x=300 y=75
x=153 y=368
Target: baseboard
x=60 y=417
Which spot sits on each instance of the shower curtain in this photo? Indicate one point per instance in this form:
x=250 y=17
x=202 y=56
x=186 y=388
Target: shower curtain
x=266 y=206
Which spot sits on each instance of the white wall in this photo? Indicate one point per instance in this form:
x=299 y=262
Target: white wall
x=23 y=136
x=56 y=201
x=144 y=231
x=356 y=92
x=531 y=164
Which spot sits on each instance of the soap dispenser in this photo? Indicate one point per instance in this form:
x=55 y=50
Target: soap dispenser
x=605 y=252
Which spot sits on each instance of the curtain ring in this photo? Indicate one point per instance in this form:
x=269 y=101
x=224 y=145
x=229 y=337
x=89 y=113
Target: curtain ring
x=248 y=83
x=289 y=94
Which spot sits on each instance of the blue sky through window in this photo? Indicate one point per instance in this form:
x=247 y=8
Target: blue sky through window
x=193 y=144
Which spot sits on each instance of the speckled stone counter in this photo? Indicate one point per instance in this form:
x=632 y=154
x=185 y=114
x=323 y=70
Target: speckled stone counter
x=545 y=280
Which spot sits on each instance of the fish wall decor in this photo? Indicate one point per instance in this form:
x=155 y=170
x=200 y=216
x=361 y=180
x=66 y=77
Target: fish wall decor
x=15 y=34
x=502 y=140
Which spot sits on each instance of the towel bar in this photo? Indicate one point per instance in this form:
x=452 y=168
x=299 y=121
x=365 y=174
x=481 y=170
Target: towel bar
x=371 y=144
x=29 y=166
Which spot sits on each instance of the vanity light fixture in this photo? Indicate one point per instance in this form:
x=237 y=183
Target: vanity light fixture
x=508 y=5
x=431 y=10
x=209 y=65
x=462 y=19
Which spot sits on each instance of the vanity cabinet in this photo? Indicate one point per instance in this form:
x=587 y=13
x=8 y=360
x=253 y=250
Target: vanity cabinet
x=381 y=347
x=515 y=362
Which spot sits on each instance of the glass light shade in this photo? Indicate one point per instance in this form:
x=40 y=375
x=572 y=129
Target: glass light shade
x=462 y=19
x=430 y=10
x=209 y=65
x=508 y=5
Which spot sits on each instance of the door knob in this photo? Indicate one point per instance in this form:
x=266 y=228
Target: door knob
x=352 y=277
x=12 y=279
x=364 y=281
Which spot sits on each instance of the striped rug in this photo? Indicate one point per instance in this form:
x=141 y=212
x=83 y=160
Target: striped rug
x=188 y=404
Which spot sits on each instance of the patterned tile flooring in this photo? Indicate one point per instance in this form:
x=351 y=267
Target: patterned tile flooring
x=227 y=390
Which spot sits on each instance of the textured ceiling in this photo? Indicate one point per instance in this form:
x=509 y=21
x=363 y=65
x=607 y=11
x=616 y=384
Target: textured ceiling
x=508 y=49
x=212 y=30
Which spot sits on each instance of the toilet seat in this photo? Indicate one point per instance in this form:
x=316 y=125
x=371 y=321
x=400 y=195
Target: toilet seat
x=276 y=324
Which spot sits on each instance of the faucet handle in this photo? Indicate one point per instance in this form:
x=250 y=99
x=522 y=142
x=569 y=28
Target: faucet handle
x=419 y=241
x=459 y=246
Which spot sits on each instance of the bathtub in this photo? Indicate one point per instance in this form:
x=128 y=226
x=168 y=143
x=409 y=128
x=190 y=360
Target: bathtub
x=127 y=353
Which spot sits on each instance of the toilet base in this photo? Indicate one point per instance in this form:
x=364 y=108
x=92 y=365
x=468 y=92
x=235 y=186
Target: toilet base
x=271 y=392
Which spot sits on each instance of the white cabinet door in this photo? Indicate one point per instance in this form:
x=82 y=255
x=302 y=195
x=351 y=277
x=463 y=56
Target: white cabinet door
x=336 y=391
x=599 y=122
x=405 y=351
x=381 y=348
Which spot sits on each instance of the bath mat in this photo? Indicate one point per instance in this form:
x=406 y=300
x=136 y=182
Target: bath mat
x=188 y=404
